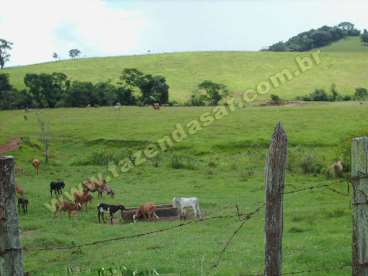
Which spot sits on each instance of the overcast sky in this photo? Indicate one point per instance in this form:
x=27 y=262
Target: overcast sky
x=105 y=28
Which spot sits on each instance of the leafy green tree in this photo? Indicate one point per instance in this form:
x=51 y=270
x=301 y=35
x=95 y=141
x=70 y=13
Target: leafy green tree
x=152 y=88
x=132 y=77
x=80 y=94
x=5 y=46
x=364 y=36
x=47 y=89
x=73 y=53
x=346 y=26
x=361 y=94
x=212 y=92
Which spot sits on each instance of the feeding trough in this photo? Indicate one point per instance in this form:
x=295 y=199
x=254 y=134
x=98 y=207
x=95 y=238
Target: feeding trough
x=163 y=211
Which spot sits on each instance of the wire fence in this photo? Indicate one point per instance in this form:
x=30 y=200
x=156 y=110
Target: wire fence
x=243 y=217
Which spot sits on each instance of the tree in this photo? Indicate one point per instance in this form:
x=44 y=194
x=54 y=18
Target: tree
x=364 y=36
x=212 y=92
x=55 y=56
x=361 y=94
x=346 y=26
x=73 y=53
x=47 y=89
x=132 y=77
x=152 y=88
x=5 y=46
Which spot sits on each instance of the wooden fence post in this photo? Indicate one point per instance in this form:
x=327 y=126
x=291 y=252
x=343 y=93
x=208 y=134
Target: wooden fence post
x=359 y=173
x=274 y=186
x=11 y=260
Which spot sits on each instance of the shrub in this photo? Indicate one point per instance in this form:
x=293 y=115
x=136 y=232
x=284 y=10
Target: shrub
x=275 y=99
x=310 y=165
x=180 y=162
x=361 y=94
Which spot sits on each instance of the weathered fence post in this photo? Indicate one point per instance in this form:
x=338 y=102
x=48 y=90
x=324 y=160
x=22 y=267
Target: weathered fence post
x=274 y=186
x=359 y=173
x=11 y=260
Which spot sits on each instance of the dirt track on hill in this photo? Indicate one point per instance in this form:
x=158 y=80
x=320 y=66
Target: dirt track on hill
x=12 y=146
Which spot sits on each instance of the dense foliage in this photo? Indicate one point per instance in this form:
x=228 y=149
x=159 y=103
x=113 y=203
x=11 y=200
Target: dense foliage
x=360 y=94
x=56 y=90
x=208 y=93
x=364 y=36
x=316 y=38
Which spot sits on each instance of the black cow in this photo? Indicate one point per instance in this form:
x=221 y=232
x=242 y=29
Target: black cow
x=23 y=204
x=112 y=209
x=57 y=187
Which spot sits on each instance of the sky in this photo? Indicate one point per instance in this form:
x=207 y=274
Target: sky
x=38 y=28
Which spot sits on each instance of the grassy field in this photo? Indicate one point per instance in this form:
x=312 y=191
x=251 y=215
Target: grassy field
x=222 y=165
x=349 y=44
x=238 y=70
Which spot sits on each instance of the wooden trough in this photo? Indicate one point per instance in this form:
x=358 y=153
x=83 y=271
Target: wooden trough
x=164 y=211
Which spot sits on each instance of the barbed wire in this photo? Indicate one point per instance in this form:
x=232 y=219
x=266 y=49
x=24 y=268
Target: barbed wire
x=222 y=252
x=341 y=267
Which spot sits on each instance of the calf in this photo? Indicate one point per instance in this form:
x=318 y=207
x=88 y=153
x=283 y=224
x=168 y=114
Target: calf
x=83 y=198
x=36 y=164
x=112 y=209
x=57 y=187
x=23 y=204
x=19 y=190
x=146 y=211
x=64 y=206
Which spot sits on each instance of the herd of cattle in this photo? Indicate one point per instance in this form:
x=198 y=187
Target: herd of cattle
x=146 y=211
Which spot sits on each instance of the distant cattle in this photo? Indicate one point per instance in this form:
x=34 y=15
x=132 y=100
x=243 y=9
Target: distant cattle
x=83 y=198
x=65 y=206
x=146 y=211
x=23 y=204
x=107 y=208
x=183 y=202
x=336 y=169
x=57 y=187
x=156 y=106
x=36 y=164
x=99 y=186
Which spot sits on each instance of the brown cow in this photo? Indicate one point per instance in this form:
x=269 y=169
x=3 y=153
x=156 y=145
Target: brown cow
x=83 y=198
x=99 y=186
x=36 y=164
x=65 y=206
x=146 y=211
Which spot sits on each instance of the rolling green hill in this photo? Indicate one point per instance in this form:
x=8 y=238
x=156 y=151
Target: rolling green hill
x=349 y=44
x=342 y=63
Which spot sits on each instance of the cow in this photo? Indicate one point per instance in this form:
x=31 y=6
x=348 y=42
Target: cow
x=183 y=202
x=111 y=209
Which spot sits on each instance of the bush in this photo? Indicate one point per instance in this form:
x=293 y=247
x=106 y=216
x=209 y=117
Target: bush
x=310 y=165
x=361 y=94
x=275 y=99
x=180 y=162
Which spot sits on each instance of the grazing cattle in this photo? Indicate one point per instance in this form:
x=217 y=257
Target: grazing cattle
x=156 y=106
x=19 y=190
x=65 y=206
x=57 y=187
x=36 y=164
x=111 y=209
x=336 y=169
x=183 y=202
x=23 y=204
x=99 y=186
x=146 y=211
x=83 y=198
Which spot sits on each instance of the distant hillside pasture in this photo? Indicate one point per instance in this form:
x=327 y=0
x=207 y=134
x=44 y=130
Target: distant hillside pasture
x=237 y=70
x=349 y=44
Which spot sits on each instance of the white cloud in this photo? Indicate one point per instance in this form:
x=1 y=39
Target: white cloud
x=39 y=28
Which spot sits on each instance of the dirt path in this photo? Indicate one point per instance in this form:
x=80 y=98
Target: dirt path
x=12 y=146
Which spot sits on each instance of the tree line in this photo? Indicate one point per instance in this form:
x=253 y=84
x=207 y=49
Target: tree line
x=317 y=38
x=57 y=90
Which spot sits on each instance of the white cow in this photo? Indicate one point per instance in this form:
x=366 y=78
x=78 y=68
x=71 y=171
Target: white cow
x=184 y=202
